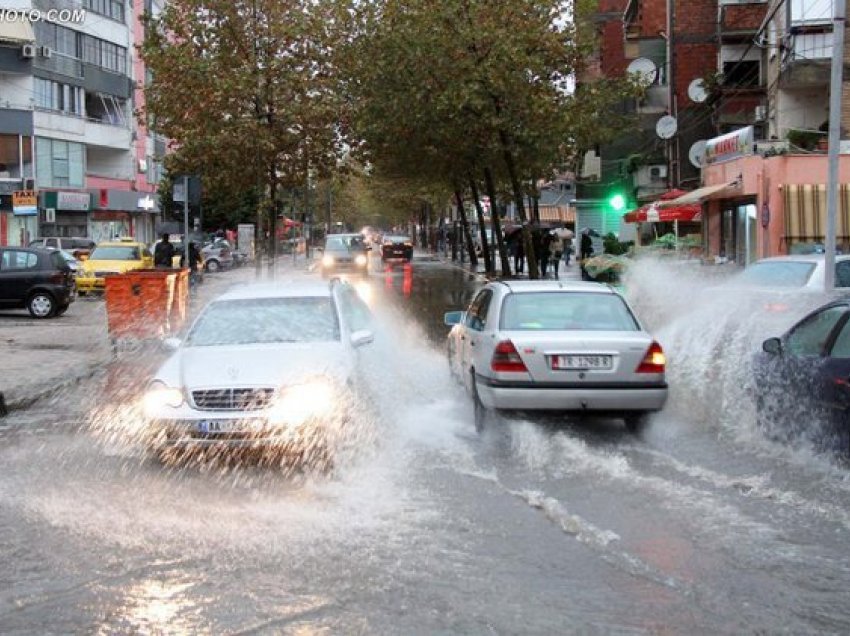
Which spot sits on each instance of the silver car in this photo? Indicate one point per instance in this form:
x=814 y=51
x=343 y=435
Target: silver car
x=268 y=366
x=556 y=346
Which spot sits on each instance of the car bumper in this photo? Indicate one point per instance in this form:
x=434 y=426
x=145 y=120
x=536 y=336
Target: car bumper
x=607 y=398
x=91 y=284
x=252 y=433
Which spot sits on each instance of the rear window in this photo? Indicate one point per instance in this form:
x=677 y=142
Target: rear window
x=566 y=311
x=776 y=274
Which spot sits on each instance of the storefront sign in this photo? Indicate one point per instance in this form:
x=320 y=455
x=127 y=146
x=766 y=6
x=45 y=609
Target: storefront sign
x=79 y=201
x=730 y=146
x=24 y=203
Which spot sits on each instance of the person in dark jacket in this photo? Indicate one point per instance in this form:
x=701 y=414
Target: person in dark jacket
x=163 y=253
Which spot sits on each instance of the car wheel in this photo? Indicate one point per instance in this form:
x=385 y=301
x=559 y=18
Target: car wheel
x=636 y=422
x=41 y=305
x=213 y=266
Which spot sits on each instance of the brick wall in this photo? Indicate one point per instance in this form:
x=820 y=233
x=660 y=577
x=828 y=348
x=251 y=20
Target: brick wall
x=744 y=17
x=695 y=43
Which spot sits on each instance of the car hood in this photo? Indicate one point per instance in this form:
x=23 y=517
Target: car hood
x=111 y=266
x=255 y=365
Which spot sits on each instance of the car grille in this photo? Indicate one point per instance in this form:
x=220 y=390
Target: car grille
x=251 y=399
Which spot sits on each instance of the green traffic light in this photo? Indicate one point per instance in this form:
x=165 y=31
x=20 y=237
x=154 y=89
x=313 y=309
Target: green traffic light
x=617 y=202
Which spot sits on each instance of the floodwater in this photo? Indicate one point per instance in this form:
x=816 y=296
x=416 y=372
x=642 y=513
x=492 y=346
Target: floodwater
x=547 y=526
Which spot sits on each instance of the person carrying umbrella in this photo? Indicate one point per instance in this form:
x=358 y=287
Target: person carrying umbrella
x=556 y=251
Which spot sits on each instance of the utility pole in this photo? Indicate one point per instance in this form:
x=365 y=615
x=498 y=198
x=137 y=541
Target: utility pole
x=834 y=140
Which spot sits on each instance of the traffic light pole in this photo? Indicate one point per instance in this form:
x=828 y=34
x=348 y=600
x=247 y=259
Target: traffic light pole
x=186 y=220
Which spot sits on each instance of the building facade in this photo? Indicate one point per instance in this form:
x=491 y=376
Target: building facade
x=69 y=87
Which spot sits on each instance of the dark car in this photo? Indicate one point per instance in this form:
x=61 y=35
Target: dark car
x=345 y=253
x=397 y=248
x=802 y=380
x=40 y=280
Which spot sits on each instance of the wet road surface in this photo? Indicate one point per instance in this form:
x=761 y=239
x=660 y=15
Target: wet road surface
x=543 y=526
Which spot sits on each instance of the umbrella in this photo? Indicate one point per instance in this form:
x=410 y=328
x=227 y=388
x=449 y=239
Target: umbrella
x=564 y=233
x=590 y=231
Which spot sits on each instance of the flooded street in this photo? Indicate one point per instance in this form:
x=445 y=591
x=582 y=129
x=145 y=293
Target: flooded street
x=698 y=525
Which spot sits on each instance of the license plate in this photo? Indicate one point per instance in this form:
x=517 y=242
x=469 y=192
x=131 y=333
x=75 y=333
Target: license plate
x=223 y=426
x=581 y=362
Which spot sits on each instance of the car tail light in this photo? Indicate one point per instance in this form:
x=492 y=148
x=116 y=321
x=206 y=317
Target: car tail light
x=57 y=278
x=654 y=361
x=506 y=358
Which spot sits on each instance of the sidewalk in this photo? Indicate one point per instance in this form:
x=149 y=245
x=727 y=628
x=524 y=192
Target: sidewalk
x=42 y=357
x=571 y=272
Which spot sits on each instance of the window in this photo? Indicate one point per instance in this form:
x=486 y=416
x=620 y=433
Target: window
x=56 y=96
x=810 y=336
x=566 y=311
x=15 y=260
x=746 y=73
x=842 y=274
x=104 y=54
x=60 y=163
x=60 y=39
x=476 y=315
x=110 y=8
x=841 y=347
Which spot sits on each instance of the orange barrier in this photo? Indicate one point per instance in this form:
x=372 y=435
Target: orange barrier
x=146 y=303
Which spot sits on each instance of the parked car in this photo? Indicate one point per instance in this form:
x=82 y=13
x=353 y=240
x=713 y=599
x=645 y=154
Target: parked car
x=552 y=346
x=112 y=257
x=802 y=379
x=36 y=279
x=345 y=253
x=79 y=247
x=396 y=248
x=268 y=367
x=218 y=255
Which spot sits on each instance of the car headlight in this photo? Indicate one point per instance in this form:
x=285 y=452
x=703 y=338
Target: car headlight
x=299 y=403
x=160 y=395
x=360 y=259
x=328 y=260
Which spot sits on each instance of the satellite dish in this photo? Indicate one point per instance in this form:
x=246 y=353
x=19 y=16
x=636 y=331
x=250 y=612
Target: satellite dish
x=643 y=70
x=697 y=92
x=697 y=153
x=666 y=127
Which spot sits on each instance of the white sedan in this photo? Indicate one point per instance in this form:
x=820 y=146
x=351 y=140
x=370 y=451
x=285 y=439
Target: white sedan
x=553 y=346
x=269 y=366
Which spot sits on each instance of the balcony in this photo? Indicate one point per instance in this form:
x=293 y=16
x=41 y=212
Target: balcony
x=87 y=131
x=807 y=63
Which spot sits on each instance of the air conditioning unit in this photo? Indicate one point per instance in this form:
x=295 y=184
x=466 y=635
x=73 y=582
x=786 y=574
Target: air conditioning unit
x=28 y=51
x=658 y=172
x=760 y=113
x=46 y=52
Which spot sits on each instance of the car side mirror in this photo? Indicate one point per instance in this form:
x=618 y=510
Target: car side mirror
x=362 y=337
x=773 y=346
x=451 y=318
x=171 y=344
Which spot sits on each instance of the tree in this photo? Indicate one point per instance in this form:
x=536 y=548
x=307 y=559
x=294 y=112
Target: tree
x=247 y=89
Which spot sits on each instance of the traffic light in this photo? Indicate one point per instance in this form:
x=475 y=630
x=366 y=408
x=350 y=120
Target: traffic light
x=617 y=202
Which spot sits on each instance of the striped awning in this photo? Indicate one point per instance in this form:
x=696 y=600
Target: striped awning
x=805 y=212
x=557 y=214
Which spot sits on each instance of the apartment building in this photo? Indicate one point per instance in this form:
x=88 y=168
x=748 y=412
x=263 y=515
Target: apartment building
x=70 y=81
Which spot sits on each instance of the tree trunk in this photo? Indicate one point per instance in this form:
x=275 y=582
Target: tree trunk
x=533 y=271
x=470 y=244
x=497 y=222
x=485 y=247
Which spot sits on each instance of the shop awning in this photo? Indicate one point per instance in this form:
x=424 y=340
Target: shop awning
x=16 y=31
x=703 y=194
x=805 y=212
x=557 y=214
x=653 y=214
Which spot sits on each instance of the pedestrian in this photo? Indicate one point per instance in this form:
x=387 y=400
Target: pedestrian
x=585 y=252
x=163 y=253
x=556 y=251
x=541 y=250
x=194 y=261
x=518 y=252
x=568 y=248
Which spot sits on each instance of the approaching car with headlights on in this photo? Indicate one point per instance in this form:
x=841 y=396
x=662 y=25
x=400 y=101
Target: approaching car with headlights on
x=269 y=366
x=345 y=253
x=553 y=346
x=396 y=248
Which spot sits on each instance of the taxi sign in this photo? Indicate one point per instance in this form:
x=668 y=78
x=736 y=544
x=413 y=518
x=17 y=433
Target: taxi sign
x=24 y=202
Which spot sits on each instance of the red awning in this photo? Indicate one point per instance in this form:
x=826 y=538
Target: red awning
x=651 y=214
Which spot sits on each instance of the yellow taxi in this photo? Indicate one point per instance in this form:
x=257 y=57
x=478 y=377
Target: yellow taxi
x=112 y=257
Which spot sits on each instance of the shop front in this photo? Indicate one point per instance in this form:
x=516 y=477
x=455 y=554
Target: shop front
x=124 y=213
x=64 y=213
x=759 y=206
x=23 y=224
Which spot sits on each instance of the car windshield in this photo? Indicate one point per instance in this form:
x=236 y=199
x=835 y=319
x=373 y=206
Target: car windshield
x=561 y=311
x=116 y=253
x=343 y=242
x=776 y=274
x=265 y=321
